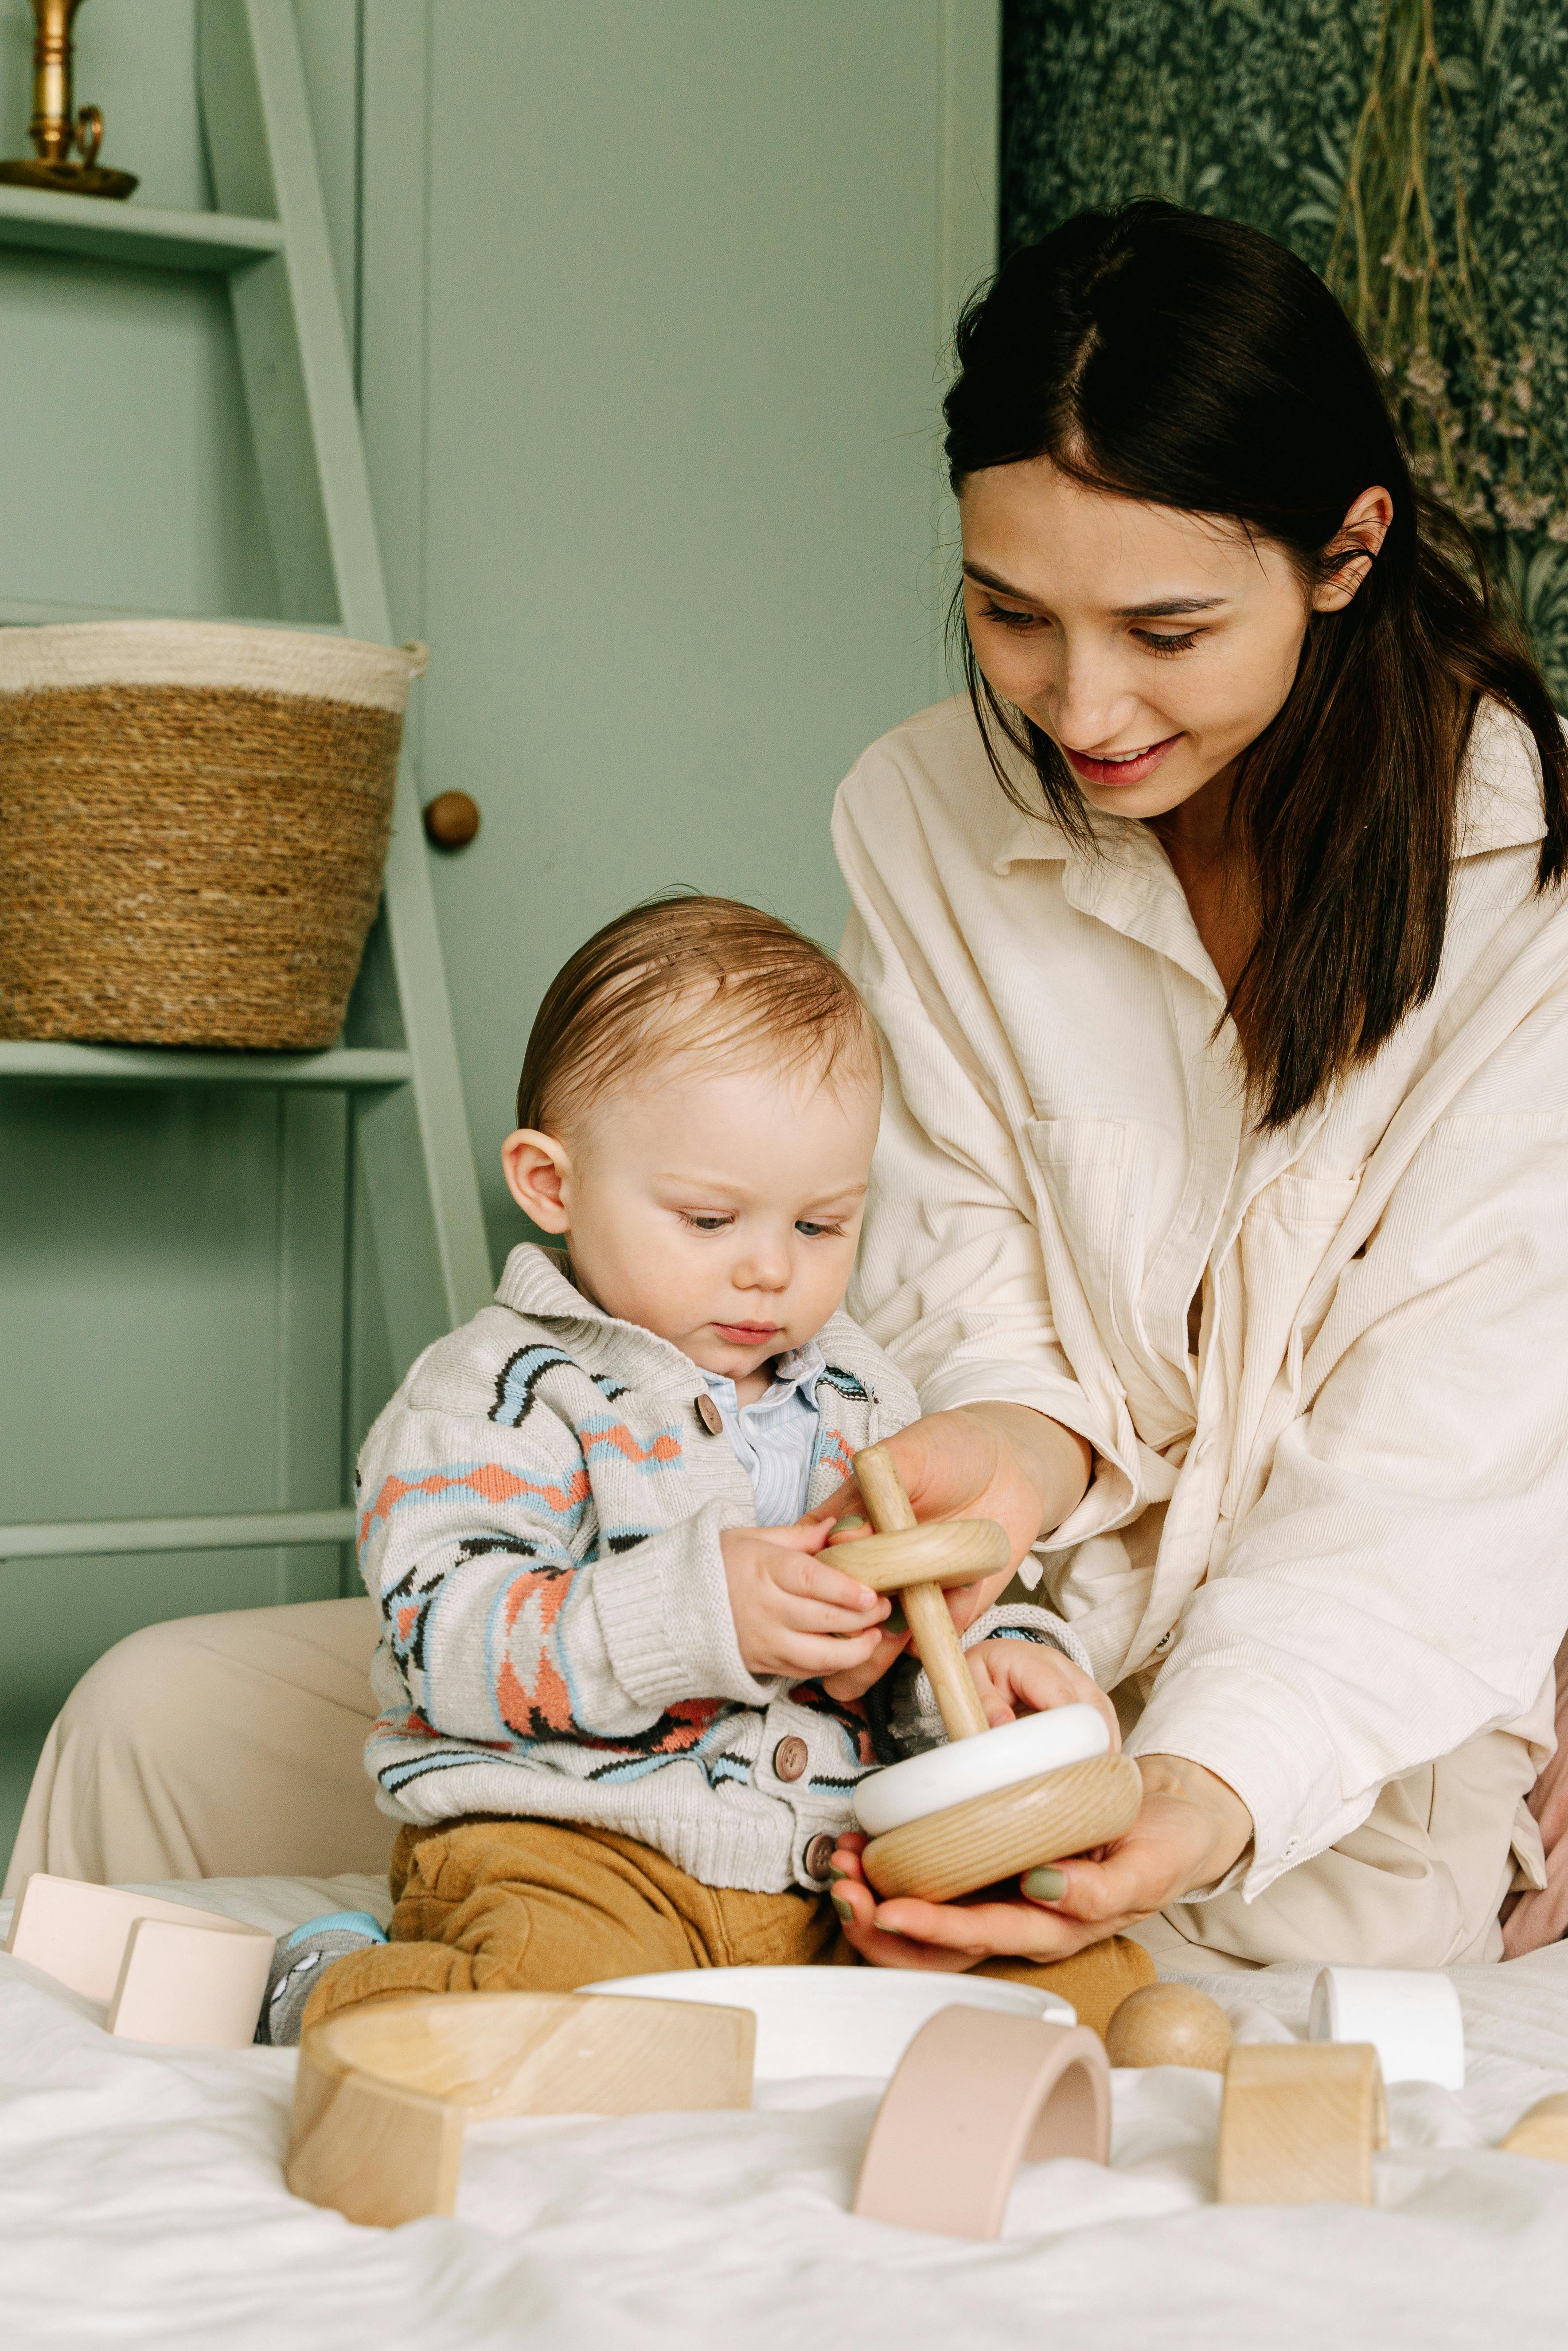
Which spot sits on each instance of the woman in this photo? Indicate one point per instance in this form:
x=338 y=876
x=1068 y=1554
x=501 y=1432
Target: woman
x=1219 y=950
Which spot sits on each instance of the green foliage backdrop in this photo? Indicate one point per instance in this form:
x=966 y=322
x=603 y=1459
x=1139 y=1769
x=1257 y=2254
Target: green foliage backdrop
x=1251 y=108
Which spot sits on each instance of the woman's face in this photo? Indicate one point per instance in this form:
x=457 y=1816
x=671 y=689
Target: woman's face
x=1151 y=646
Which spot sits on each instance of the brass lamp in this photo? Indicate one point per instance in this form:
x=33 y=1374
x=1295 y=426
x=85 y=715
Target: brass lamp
x=52 y=129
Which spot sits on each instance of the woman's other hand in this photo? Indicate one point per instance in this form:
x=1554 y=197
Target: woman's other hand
x=1191 y=1830
x=998 y=1461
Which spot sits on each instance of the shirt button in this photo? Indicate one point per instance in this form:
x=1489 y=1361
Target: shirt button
x=709 y=1414
x=790 y=1758
x=818 y=1855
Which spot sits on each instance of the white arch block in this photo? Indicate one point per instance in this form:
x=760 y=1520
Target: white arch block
x=1410 y=2015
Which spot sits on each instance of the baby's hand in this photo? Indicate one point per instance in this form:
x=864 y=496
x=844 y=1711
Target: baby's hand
x=793 y=1612
x=1018 y=1678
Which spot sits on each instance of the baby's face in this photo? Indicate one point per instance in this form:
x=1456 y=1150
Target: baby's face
x=722 y=1210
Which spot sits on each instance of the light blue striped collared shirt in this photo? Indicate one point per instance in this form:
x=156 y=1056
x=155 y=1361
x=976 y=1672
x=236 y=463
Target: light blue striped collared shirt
x=773 y=1439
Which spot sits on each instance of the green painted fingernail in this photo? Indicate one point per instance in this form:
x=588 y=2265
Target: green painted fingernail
x=895 y=1620
x=837 y=1873
x=843 y=1909
x=841 y=1525
x=886 y=1929
x=1045 y=1884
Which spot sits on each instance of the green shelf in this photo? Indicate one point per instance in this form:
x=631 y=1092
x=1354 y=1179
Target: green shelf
x=212 y=244
x=348 y=1068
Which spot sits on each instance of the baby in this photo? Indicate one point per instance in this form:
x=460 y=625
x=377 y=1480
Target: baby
x=595 y=1519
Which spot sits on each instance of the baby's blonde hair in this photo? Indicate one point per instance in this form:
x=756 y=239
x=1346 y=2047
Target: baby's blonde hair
x=680 y=973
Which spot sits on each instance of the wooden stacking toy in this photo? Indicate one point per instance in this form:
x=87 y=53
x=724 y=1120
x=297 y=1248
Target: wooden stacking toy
x=991 y=1803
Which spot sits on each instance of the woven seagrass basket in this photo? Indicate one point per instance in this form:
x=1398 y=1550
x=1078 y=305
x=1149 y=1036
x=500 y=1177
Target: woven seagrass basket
x=193 y=820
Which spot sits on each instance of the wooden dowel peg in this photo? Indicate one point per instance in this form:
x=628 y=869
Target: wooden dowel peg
x=925 y=1609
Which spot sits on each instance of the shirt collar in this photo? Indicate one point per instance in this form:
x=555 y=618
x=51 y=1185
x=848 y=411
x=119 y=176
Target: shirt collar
x=1501 y=805
x=795 y=1374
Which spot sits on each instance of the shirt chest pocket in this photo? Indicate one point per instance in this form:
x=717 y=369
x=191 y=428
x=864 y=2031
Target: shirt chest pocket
x=1089 y=1174
x=1286 y=1233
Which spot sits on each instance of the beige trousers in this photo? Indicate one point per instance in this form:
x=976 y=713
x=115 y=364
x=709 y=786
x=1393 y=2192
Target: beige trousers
x=222 y=1746
x=1419 y=1885
x=231 y=1747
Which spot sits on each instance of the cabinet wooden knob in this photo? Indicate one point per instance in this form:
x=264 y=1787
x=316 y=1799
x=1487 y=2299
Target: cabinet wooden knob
x=450 y=821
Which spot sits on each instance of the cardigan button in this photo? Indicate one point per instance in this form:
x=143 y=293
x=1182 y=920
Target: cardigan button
x=818 y=1855
x=709 y=1414
x=790 y=1758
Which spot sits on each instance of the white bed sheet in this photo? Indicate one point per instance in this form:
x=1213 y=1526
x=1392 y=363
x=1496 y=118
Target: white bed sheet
x=141 y=2201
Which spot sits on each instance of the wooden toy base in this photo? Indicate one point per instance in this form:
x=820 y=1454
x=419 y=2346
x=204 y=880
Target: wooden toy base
x=974 y=2097
x=383 y=2092
x=995 y=1836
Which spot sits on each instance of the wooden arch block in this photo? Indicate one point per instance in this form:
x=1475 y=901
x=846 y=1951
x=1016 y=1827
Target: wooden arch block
x=975 y=2094
x=384 y=2092
x=1299 y=2124
x=1542 y=2132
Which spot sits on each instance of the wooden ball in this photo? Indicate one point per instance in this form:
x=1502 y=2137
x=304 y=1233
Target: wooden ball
x=450 y=821
x=1169 y=2025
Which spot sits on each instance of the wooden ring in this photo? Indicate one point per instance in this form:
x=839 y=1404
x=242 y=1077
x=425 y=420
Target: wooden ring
x=937 y=1552
x=384 y=2091
x=993 y=1837
x=974 y=2095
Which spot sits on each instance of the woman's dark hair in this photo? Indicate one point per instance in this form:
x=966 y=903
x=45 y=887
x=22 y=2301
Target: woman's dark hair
x=1194 y=364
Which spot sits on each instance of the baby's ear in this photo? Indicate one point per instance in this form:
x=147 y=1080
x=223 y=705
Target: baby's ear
x=537 y=1167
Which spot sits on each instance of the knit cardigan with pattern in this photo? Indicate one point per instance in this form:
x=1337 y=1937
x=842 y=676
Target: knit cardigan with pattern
x=540 y=1513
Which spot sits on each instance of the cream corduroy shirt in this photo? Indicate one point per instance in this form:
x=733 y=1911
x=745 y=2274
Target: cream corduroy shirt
x=1332 y=1544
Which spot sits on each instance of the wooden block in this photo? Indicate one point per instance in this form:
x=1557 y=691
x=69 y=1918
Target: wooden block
x=1298 y=2122
x=1169 y=2025
x=974 y=2096
x=938 y=1553
x=996 y=1836
x=383 y=2092
x=1542 y=2132
x=182 y=1983
x=78 y=1933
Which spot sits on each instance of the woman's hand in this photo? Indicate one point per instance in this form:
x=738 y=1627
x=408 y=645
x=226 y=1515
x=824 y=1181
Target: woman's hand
x=999 y=1461
x=1191 y=1830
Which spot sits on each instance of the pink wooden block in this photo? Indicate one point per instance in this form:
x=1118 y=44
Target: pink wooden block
x=165 y=1971
x=974 y=2095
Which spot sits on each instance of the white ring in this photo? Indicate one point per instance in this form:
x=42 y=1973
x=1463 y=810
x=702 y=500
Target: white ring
x=1411 y=2016
x=979 y=1766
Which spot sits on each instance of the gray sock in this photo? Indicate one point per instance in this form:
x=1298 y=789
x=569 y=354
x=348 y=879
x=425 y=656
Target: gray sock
x=297 y=1966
